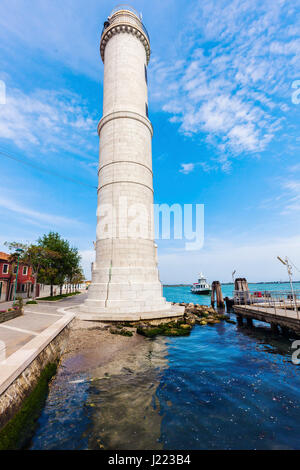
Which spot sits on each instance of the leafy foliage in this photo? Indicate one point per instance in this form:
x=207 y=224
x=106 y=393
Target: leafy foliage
x=53 y=260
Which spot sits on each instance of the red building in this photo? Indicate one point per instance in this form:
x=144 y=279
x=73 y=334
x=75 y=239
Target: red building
x=8 y=272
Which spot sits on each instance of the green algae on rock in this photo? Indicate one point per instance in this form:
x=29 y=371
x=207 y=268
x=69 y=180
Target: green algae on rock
x=20 y=428
x=165 y=329
x=120 y=331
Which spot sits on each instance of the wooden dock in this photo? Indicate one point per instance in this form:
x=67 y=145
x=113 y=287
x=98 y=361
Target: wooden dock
x=275 y=315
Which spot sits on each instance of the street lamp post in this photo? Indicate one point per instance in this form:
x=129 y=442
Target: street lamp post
x=19 y=251
x=289 y=270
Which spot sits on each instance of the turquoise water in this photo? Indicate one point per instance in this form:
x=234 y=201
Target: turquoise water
x=223 y=387
x=183 y=293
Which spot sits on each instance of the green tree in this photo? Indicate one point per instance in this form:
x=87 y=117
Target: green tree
x=61 y=264
x=53 y=261
x=37 y=257
x=76 y=277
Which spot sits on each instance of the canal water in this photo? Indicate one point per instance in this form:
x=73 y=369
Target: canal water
x=223 y=387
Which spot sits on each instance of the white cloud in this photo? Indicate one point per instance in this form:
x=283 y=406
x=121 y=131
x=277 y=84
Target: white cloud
x=68 y=34
x=231 y=84
x=87 y=258
x=286 y=198
x=51 y=120
x=35 y=217
x=291 y=196
x=253 y=259
x=285 y=48
x=187 y=168
x=294 y=168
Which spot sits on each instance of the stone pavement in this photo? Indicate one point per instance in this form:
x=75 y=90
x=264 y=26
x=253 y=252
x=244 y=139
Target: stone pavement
x=24 y=338
x=6 y=305
x=16 y=333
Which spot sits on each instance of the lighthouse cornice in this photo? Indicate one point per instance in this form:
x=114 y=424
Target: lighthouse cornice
x=125 y=115
x=121 y=28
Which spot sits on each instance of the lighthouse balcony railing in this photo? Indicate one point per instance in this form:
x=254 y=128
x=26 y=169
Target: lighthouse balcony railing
x=132 y=10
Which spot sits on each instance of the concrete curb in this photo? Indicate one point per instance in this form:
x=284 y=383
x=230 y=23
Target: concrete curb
x=15 y=364
x=62 y=311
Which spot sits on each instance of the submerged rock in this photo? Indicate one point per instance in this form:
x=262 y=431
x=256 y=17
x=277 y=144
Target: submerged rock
x=120 y=331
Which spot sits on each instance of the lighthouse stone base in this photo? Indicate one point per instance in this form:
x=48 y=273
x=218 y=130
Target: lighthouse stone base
x=173 y=311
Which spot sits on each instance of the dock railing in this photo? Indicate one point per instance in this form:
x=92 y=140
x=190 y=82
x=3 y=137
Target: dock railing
x=278 y=300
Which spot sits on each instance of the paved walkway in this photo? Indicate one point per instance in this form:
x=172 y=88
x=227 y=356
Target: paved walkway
x=6 y=305
x=23 y=338
x=16 y=333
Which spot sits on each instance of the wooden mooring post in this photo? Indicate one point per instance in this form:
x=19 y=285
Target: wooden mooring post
x=216 y=291
x=241 y=291
x=241 y=284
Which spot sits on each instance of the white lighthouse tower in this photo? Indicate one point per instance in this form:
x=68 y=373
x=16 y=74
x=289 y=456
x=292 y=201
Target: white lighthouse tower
x=125 y=280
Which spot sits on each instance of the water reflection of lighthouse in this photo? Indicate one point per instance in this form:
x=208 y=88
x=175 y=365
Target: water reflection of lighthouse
x=126 y=410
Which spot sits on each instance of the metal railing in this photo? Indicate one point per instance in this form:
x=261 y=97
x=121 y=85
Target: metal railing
x=278 y=300
x=126 y=7
x=132 y=10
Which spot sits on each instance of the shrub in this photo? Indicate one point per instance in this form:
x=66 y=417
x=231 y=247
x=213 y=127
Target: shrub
x=58 y=297
x=31 y=302
x=19 y=303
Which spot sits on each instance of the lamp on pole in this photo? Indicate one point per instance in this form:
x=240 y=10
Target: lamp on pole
x=19 y=251
x=289 y=270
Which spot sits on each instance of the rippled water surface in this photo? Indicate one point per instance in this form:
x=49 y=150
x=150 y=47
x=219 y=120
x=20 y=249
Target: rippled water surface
x=222 y=387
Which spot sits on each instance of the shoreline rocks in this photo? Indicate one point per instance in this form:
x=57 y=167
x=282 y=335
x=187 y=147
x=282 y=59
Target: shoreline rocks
x=194 y=314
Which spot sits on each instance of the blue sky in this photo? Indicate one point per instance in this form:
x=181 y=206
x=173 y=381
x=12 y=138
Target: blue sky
x=226 y=132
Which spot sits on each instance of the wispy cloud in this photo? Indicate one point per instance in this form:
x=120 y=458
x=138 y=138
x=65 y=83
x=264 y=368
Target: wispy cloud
x=35 y=217
x=286 y=200
x=87 y=258
x=229 y=87
x=70 y=38
x=255 y=259
x=187 y=168
x=294 y=168
x=291 y=196
x=51 y=120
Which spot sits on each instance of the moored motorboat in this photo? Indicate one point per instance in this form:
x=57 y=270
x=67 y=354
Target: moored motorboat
x=202 y=287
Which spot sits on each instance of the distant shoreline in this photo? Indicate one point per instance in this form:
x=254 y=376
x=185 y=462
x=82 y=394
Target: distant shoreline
x=231 y=283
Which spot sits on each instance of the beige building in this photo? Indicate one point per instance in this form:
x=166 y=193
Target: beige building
x=125 y=280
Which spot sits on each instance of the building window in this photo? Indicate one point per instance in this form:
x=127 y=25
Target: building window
x=146 y=75
x=147 y=114
x=23 y=287
x=5 y=269
x=25 y=271
x=15 y=269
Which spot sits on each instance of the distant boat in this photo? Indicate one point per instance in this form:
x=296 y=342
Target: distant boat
x=202 y=287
